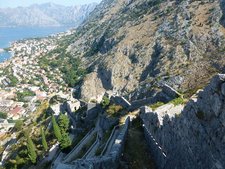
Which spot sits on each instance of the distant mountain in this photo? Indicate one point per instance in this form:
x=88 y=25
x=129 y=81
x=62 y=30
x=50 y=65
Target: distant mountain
x=48 y=14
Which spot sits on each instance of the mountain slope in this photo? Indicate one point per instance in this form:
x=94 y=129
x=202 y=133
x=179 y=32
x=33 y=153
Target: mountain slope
x=129 y=46
x=45 y=15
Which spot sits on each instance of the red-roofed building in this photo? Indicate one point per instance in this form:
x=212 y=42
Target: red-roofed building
x=16 y=112
x=40 y=95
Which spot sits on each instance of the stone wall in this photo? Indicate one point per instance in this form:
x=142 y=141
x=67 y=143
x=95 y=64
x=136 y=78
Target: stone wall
x=107 y=143
x=150 y=120
x=165 y=95
x=92 y=111
x=72 y=106
x=72 y=155
x=170 y=91
x=155 y=148
x=121 y=101
x=138 y=103
x=110 y=161
x=106 y=123
x=193 y=139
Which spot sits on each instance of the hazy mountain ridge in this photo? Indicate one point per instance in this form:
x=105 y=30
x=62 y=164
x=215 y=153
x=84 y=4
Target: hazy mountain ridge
x=48 y=14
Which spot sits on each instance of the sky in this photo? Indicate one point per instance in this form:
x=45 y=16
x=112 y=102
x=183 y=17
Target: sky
x=16 y=3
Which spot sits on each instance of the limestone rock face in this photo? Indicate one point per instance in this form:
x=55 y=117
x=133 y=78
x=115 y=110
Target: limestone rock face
x=92 y=88
x=192 y=138
x=133 y=44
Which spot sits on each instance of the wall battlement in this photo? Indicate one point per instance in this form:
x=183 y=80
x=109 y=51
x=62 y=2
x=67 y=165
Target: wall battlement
x=193 y=138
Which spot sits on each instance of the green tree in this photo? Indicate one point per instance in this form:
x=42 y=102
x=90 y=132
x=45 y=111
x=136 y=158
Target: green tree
x=66 y=141
x=18 y=125
x=20 y=161
x=63 y=122
x=56 y=129
x=22 y=95
x=13 y=80
x=105 y=102
x=43 y=139
x=31 y=150
x=64 y=126
x=3 y=115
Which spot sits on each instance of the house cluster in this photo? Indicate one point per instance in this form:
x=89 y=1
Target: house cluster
x=62 y=34
x=13 y=109
x=34 y=47
x=26 y=67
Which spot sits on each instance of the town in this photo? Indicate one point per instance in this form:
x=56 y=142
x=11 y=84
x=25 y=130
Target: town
x=24 y=85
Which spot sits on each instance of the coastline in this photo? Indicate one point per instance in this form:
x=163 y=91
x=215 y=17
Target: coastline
x=7 y=51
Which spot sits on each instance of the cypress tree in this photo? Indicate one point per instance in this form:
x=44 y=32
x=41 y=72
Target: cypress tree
x=66 y=141
x=31 y=150
x=56 y=129
x=63 y=122
x=64 y=126
x=43 y=139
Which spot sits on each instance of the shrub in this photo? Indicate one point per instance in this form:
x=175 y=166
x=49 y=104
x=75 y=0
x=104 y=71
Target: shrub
x=177 y=101
x=113 y=110
x=105 y=102
x=25 y=93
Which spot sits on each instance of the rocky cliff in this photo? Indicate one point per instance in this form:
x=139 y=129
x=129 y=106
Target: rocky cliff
x=130 y=46
x=48 y=14
x=189 y=137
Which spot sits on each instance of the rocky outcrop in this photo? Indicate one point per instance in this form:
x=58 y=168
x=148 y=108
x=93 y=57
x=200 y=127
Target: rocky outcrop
x=191 y=137
x=92 y=88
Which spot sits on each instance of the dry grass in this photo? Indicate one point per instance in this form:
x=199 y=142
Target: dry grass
x=200 y=19
x=136 y=152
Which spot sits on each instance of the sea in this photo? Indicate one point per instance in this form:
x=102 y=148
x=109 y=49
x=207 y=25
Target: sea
x=11 y=34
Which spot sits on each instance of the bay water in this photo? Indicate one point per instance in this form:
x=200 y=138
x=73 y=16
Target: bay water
x=11 y=34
